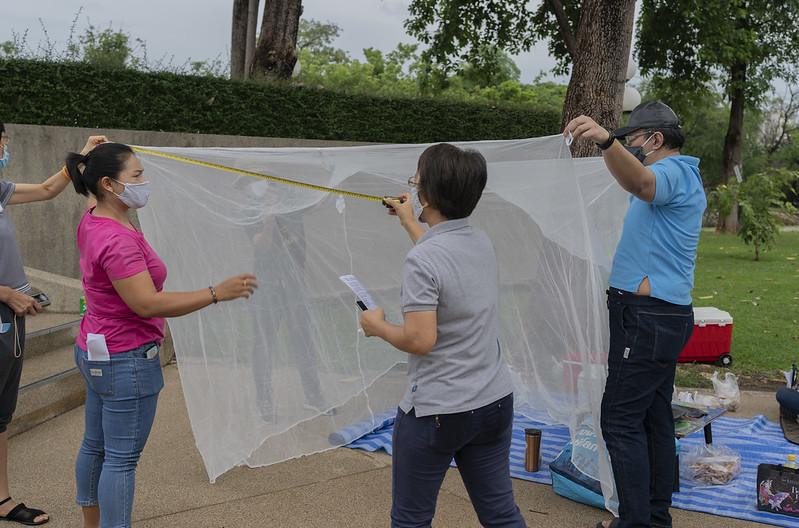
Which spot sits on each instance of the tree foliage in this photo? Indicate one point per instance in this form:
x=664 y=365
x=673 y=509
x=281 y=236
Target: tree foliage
x=455 y=30
x=317 y=38
x=107 y=48
x=488 y=65
x=597 y=44
x=758 y=196
x=490 y=76
x=739 y=46
x=693 y=47
x=780 y=130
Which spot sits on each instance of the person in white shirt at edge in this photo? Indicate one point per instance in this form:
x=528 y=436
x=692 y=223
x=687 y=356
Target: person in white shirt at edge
x=459 y=401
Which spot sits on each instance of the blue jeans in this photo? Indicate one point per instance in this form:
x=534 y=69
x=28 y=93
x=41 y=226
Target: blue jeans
x=478 y=440
x=121 y=395
x=646 y=338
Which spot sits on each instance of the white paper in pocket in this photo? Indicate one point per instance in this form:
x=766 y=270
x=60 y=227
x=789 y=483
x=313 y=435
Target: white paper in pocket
x=98 y=351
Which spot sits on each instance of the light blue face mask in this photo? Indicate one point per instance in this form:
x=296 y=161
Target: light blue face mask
x=4 y=161
x=135 y=195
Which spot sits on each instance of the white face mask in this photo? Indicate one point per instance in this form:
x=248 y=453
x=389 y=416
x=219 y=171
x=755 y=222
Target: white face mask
x=416 y=204
x=135 y=195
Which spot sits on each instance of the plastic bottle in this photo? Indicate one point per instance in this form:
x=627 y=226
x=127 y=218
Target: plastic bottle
x=791 y=463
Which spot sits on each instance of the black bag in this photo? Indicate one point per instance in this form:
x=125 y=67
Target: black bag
x=788 y=418
x=778 y=489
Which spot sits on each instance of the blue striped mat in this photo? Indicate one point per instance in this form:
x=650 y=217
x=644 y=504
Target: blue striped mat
x=757 y=440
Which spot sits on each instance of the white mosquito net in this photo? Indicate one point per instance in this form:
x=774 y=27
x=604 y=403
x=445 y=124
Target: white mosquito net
x=260 y=374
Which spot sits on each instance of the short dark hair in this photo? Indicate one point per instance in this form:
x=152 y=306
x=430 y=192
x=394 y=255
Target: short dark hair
x=2 y=127
x=673 y=137
x=107 y=159
x=452 y=179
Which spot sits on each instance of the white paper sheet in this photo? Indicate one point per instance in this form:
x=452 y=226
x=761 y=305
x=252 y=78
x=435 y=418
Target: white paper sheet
x=98 y=350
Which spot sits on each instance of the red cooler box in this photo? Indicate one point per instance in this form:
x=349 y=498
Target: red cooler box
x=711 y=339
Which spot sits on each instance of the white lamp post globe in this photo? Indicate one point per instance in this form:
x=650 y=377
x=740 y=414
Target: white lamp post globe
x=631 y=99
x=632 y=69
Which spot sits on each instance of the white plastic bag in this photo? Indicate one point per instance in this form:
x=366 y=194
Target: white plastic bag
x=706 y=400
x=709 y=464
x=727 y=390
x=699 y=399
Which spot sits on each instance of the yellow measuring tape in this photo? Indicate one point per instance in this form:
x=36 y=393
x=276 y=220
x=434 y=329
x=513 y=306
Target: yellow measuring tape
x=256 y=175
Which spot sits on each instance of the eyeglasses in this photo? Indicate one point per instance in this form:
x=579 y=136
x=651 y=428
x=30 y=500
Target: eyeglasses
x=630 y=138
x=412 y=182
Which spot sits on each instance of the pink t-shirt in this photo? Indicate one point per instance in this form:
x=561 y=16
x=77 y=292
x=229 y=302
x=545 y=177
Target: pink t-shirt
x=110 y=251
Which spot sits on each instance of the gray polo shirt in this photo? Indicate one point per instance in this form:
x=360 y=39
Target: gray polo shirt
x=453 y=270
x=12 y=274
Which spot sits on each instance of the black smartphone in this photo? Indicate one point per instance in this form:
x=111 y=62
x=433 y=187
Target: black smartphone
x=42 y=299
x=361 y=305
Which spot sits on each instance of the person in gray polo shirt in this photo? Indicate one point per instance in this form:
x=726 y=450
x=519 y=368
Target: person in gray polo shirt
x=459 y=399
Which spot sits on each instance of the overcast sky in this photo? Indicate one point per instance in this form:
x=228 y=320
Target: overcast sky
x=201 y=30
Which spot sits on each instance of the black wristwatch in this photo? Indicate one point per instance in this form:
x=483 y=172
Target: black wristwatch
x=609 y=142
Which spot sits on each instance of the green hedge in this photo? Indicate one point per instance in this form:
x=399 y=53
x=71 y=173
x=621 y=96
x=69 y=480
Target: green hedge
x=81 y=95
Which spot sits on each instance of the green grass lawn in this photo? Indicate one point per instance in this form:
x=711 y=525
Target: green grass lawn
x=762 y=298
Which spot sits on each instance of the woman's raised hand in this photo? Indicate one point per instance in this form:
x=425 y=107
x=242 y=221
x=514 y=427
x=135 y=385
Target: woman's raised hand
x=92 y=142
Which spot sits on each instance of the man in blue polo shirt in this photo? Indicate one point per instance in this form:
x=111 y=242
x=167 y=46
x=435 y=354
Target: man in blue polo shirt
x=649 y=303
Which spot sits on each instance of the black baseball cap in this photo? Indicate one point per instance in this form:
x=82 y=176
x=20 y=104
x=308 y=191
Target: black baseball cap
x=651 y=114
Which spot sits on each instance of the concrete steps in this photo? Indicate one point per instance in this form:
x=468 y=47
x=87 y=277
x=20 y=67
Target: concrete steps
x=51 y=384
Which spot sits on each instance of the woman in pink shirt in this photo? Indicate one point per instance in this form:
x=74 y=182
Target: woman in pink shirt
x=121 y=332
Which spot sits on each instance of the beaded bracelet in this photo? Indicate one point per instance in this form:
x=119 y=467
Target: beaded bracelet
x=213 y=294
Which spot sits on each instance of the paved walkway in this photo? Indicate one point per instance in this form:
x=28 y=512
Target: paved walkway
x=338 y=488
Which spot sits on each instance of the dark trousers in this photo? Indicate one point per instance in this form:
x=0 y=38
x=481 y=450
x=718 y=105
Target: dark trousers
x=646 y=338
x=478 y=440
x=12 y=346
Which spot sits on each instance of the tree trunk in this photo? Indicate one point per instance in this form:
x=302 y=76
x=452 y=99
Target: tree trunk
x=238 y=39
x=252 y=30
x=276 y=51
x=596 y=86
x=731 y=154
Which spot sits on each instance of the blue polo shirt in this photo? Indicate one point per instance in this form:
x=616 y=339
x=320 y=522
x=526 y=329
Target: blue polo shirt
x=659 y=238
